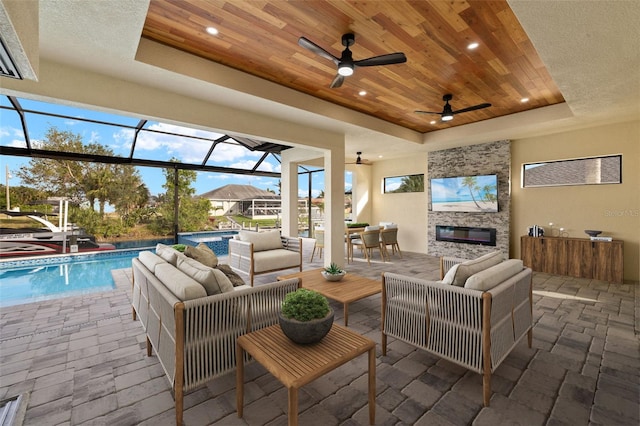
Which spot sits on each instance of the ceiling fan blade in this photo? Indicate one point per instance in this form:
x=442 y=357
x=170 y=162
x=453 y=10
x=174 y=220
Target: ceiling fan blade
x=309 y=45
x=428 y=112
x=391 y=58
x=472 y=108
x=337 y=82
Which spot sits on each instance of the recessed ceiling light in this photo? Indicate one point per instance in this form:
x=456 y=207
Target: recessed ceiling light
x=473 y=45
x=362 y=92
x=212 y=30
x=379 y=156
x=524 y=100
x=433 y=122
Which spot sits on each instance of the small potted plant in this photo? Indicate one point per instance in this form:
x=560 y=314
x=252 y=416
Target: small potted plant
x=305 y=316
x=333 y=272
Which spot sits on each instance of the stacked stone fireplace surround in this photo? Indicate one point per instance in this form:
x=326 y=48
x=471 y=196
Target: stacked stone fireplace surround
x=474 y=160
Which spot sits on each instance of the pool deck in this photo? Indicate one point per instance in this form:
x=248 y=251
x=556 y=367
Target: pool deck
x=81 y=361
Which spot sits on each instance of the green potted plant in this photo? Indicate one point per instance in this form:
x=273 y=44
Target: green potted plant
x=333 y=272
x=305 y=316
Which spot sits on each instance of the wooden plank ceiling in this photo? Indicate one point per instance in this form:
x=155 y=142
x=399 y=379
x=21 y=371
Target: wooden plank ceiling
x=261 y=38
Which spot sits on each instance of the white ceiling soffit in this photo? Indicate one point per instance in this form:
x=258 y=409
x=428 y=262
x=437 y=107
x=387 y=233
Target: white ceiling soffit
x=20 y=45
x=592 y=51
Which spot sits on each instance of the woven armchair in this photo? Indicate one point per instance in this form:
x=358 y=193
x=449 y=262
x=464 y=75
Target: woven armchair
x=474 y=329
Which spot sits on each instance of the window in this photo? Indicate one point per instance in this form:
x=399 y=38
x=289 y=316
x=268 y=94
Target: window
x=409 y=183
x=578 y=171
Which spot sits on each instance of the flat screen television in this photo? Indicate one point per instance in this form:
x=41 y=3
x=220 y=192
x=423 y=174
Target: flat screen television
x=477 y=194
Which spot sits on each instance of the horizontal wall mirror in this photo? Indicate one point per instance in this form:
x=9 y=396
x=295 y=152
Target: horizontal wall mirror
x=577 y=171
x=408 y=183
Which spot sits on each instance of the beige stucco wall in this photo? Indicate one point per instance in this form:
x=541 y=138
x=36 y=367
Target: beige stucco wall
x=614 y=209
x=408 y=210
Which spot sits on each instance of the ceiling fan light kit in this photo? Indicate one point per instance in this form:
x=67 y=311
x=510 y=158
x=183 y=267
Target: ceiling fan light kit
x=345 y=70
x=448 y=112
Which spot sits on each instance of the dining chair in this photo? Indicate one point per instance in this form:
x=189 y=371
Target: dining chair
x=319 y=244
x=369 y=240
x=389 y=237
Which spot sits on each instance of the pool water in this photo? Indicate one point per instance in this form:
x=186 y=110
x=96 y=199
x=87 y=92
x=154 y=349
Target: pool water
x=60 y=277
x=142 y=243
x=35 y=279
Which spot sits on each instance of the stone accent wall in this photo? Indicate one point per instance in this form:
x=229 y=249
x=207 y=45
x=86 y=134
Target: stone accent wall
x=483 y=159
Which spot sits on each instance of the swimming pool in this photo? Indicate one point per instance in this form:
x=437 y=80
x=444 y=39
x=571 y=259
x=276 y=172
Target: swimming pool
x=40 y=278
x=51 y=277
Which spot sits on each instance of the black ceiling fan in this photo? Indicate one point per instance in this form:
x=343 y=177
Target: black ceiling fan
x=359 y=161
x=345 y=63
x=448 y=112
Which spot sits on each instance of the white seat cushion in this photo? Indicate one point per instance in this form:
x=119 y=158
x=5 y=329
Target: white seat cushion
x=271 y=260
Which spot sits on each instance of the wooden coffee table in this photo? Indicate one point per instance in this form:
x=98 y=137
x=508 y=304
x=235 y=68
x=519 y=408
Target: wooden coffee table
x=295 y=365
x=350 y=289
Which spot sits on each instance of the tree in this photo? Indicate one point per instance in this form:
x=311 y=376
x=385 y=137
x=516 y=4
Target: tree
x=413 y=183
x=193 y=212
x=23 y=196
x=471 y=183
x=79 y=181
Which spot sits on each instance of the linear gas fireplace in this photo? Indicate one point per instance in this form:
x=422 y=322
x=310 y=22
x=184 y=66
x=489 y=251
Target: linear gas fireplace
x=467 y=235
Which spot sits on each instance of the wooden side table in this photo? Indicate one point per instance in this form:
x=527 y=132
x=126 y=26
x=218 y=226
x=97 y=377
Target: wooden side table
x=282 y=358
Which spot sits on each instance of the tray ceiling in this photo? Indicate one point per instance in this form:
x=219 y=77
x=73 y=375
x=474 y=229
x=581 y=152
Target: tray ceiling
x=261 y=38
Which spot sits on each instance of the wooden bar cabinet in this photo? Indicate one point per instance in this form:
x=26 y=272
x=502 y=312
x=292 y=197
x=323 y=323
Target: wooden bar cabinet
x=576 y=257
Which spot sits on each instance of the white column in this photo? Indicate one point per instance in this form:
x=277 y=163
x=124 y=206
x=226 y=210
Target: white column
x=334 y=247
x=289 y=196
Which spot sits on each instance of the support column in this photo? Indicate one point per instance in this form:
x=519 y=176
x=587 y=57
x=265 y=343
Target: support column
x=334 y=247
x=289 y=197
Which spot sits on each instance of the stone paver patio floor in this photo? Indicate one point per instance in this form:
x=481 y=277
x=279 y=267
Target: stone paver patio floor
x=81 y=361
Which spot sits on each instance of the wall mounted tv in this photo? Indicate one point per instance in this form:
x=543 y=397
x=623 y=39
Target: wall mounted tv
x=477 y=194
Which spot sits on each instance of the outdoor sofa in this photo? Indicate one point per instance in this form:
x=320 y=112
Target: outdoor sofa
x=474 y=317
x=192 y=316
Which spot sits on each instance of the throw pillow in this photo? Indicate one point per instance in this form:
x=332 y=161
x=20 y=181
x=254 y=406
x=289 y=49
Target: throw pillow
x=470 y=267
x=168 y=253
x=450 y=275
x=203 y=254
x=235 y=279
x=268 y=240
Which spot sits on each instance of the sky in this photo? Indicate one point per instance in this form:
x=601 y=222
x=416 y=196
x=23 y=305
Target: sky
x=150 y=145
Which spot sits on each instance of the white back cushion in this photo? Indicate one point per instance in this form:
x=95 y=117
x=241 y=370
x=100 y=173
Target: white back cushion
x=268 y=240
x=150 y=260
x=470 y=267
x=491 y=277
x=178 y=283
x=213 y=280
x=168 y=253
